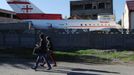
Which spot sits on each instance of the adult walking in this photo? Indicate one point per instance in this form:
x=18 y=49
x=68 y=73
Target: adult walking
x=50 y=51
x=41 y=51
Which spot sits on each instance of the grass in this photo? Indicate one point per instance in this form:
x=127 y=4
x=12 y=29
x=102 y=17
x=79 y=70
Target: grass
x=105 y=53
x=89 y=56
x=129 y=58
x=100 y=56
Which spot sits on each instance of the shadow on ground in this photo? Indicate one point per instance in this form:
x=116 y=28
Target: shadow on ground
x=92 y=70
x=88 y=59
x=16 y=63
x=68 y=72
x=77 y=71
x=26 y=65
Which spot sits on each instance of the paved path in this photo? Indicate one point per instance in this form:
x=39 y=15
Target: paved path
x=22 y=67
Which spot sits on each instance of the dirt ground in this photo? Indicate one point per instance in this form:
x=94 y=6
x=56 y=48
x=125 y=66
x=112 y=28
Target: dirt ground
x=23 y=67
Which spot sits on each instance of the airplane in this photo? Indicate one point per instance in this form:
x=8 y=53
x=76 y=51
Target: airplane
x=27 y=11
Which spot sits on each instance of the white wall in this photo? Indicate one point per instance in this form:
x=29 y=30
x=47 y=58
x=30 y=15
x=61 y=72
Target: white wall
x=126 y=18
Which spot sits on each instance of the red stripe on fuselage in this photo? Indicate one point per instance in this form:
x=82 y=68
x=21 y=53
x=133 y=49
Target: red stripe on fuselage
x=89 y=26
x=17 y=2
x=38 y=16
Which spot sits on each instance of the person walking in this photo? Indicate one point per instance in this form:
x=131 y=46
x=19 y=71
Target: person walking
x=50 y=51
x=41 y=51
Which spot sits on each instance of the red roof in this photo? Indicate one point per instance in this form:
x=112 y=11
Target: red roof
x=130 y=5
x=7 y=11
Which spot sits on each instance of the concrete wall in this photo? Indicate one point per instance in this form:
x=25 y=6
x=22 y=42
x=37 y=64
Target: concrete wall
x=68 y=40
x=17 y=41
x=85 y=40
x=99 y=41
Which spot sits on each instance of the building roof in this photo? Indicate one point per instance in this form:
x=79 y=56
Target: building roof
x=130 y=5
x=7 y=11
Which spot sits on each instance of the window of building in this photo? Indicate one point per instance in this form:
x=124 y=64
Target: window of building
x=101 y=6
x=88 y=6
x=94 y=7
x=108 y=5
x=5 y=15
x=77 y=7
x=95 y=16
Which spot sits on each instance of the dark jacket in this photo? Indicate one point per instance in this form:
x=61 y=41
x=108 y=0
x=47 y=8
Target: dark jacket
x=42 y=46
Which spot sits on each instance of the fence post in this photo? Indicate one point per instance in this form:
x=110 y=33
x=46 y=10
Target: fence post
x=19 y=39
x=35 y=35
x=4 y=40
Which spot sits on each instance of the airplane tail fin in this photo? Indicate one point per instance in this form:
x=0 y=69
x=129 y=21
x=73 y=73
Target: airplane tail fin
x=23 y=6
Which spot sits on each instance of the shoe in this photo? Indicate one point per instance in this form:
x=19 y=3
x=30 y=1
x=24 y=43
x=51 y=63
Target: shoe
x=34 y=68
x=55 y=65
x=42 y=65
x=49 y=68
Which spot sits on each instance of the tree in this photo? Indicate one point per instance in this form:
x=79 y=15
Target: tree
x=119 y=22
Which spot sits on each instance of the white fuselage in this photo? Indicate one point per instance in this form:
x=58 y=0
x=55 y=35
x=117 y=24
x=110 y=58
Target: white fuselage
x=74 y=24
